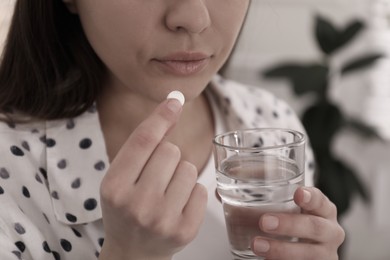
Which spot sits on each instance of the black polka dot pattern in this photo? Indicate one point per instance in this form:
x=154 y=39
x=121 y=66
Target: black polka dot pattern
x=25 y=145
x=261 y=141
x=70 y=217
x=46 y=247
x=43 y=139
x=66 y=245
x=259 y=111
x=56 y=255
x=85 y=143
x=50 y=142
x=101 y=241
x=38 y=178
x=70 y=124
x=18 y=254
x=21 y=246
x=26 y=150
x=100 y=166
x=90 y=204
x=43 y=172
x=77 y=233
x=62 y=164
x=4 y=174
x=54 y=195
x=76 y=183
x=19 y=229
x=291 y=155
x=16 y=151
x=275 y=114
x=26 y=192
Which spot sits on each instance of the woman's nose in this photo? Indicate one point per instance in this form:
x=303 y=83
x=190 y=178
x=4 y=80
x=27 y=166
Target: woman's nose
x=191 y=16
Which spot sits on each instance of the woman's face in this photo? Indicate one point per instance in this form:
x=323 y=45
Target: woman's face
x=151 y=47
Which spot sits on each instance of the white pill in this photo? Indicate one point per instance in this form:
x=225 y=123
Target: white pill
x=177 y=95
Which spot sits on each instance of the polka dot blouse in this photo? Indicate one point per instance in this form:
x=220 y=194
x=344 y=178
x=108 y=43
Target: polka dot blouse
x=50 y=174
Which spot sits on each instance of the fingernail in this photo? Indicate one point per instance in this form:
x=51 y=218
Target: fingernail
x=261 y=246
x=270 y=222
x=174 y=105
x=306 y=196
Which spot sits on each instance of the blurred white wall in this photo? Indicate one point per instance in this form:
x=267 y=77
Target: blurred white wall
x=281 y=29
x=6 y=7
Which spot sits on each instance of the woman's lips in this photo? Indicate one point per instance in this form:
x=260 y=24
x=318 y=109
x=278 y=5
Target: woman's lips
x=183 y=63
x=184 y=68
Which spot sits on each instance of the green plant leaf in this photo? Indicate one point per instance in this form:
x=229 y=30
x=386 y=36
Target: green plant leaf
x=360 y=63
x=304 y=78
x=363 y=129
x=321 y=122
x=327 y=35
x=330 y=39
x=350 y=32
x=339 y=182
x=332 y=181
x=355 y=185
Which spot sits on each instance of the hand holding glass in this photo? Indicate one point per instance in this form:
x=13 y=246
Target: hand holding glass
x=258 y=171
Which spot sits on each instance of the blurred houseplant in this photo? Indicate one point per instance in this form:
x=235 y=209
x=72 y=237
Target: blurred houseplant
x=324 y=119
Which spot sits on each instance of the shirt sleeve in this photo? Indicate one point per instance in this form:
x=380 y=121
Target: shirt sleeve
x=9 y=249
x=21 y=237
x=21 y=187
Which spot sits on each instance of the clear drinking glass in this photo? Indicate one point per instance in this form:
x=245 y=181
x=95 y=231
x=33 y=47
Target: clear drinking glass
x=258 y=171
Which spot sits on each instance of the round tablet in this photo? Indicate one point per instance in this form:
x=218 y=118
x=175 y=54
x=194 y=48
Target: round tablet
x=177 y=95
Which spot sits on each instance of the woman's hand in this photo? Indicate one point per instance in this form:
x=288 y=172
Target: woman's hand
x=152 y=205
x=317 y=228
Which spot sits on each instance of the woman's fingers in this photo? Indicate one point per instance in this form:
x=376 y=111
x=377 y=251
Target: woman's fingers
x=194 y=211
x=150 y=199
x=316 y=230
x=159 y=170
x=303 y=226
x=181 y=186
x=282 y=250
x=317 y=223
x=187 y=199
x=140 y=145
x=313 y=201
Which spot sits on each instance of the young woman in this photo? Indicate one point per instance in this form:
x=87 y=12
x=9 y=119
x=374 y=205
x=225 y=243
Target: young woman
x=95 y=163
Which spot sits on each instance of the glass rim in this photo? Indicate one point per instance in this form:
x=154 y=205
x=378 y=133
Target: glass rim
x=300 y=141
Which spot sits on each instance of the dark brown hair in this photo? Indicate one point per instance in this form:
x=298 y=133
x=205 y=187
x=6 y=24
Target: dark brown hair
x=48 y=68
